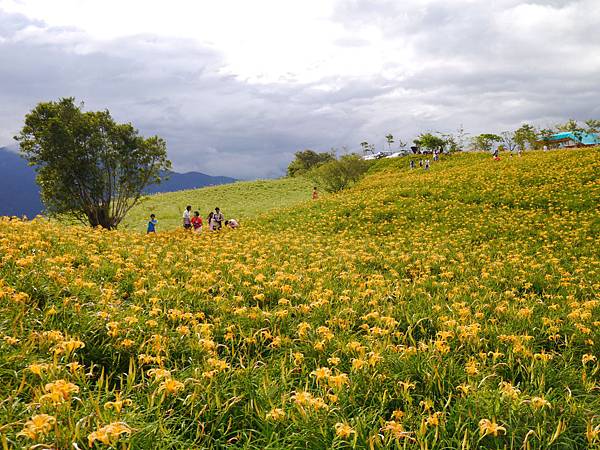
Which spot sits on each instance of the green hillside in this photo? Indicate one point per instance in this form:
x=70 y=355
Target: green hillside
x=241 y=200
x=454 y=308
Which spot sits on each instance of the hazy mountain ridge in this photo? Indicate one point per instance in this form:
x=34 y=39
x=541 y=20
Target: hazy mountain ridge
x=19 y=194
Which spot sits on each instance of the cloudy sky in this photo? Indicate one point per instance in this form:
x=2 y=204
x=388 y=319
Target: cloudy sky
x=237 y=86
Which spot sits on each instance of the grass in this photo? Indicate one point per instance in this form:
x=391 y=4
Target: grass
x=451 y=308
x=241 y=200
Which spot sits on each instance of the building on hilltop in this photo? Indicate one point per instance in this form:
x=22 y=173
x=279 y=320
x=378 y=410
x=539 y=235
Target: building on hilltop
x=570 y=139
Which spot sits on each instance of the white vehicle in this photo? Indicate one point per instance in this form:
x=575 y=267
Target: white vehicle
x=397 y=154
x=374 y=156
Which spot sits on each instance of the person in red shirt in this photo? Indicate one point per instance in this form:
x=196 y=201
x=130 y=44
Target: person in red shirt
x=197 y=222
x=315 y=194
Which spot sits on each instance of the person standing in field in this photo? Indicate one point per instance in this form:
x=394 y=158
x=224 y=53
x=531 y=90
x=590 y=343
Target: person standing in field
x=426 y=164
x=152 y=224
x=197 y=222
x=209 y=219
x=412 y=164
x=315 y=194
x=187 y=220
x=218 y=219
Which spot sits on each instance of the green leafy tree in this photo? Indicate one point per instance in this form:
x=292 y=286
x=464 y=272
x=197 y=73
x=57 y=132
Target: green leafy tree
x=525 y=136
x=430 y=142
x=88 y=166
x=306 y=160
x=486 y=141
x=339 y=174
x=593 y=126
x=570 y=125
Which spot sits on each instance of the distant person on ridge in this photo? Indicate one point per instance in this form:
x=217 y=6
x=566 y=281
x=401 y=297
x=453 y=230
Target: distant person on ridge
x=412 y=164
x=426 y=164
x=152 y=224
x=197 y=222
x=218 y=218
x=187 y=220
x=232 y=223
x=315 y=194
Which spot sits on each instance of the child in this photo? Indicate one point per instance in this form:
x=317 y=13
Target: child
x=152 y=224
x=315 y=194
x=197 y=222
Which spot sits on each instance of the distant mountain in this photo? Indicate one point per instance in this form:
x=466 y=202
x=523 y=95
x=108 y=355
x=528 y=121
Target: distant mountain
x=188 y=180
x=19 y=194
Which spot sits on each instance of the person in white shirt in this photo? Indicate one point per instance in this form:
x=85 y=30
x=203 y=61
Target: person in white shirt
x=232 y=223
x=187 y=219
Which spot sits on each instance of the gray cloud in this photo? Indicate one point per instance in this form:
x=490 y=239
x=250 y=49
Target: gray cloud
x=486 y=65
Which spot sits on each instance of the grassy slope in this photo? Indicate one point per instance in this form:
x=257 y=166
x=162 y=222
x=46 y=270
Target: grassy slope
x=453 y=283
x=241 y=200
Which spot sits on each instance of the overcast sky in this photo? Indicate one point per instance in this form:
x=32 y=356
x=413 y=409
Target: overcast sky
x=235 y=87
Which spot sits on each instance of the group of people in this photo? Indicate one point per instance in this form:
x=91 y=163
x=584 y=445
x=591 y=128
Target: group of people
x=425 y=163
x=193 y=221
x=216 y=220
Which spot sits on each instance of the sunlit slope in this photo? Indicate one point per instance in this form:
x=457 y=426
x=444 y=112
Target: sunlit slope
x=455 y=308
x=241 y=200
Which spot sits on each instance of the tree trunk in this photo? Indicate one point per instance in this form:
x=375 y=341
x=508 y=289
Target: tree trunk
x=100 y=217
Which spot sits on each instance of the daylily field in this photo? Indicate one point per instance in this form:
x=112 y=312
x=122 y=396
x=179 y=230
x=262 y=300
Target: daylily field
x=454 y=308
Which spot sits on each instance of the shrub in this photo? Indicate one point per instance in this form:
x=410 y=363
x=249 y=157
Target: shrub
x=339 y=174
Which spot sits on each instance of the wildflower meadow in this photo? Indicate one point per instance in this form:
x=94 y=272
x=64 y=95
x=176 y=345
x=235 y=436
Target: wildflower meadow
x=451 y=308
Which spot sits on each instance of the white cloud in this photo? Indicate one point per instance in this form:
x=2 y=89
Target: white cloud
x=237 y=86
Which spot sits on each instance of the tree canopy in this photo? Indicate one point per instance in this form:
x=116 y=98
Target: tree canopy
x=430 y=142
x=306 y=160
x=486 y=141
x=525 y=136
x=88 y=166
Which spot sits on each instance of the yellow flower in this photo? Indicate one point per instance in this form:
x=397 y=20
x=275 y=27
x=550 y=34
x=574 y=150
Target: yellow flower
x=343 y=430
x=276 y=414
x=321 y=373
x=406 y=385
x=337 y=381
x=487 y=426
x=58 y=392
x=587 y=358
x=159 y=373
x=38 y=426
x=170 y=386
x=118 y=404
x=334 y=360
x=38 y=368
x=539 y=403
x=508 y=390
x=109 y=434
x=396 y=430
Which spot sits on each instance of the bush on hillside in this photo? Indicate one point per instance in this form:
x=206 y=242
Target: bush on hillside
x=307 y=160
x=339 y=174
